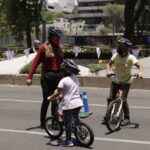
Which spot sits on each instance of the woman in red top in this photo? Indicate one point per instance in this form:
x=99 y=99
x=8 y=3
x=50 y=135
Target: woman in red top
x=50 y=57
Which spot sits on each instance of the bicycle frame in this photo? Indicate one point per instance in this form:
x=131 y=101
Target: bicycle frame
x=114 y=114
x=119 y=96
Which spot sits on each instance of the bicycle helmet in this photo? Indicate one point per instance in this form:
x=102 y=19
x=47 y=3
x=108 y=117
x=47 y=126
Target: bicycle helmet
x=69 y=67
x=123 y=47
x=125 y=42
x=53 y=32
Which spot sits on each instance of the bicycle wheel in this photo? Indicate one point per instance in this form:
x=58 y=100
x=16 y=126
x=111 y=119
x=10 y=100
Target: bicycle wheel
x=114 y=115
x=84 y=135
x=53 y=127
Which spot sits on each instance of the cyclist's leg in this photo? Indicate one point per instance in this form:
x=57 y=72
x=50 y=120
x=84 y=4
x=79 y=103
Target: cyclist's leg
x=68 y=123
x=125 y=102
x=112 y=95
x=52 y=82
x=113 y=91
x=48 y=86
x=45 y=102
x=75 y=115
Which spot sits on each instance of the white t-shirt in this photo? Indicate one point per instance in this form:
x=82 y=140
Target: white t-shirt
x=122 y=67
x=70 y=86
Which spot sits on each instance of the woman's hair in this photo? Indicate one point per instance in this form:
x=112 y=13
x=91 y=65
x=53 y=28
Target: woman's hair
x=49 y=51
x=53 y=32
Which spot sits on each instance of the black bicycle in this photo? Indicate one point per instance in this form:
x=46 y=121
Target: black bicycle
x=114 y=114
x=83 y=133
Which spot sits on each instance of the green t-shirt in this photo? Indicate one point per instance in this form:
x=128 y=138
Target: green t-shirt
x=122 y=67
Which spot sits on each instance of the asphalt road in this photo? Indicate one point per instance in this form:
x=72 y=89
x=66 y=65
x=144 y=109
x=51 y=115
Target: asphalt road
x=20 y=110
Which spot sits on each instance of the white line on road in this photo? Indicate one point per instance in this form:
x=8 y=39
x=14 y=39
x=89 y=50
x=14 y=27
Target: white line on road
x=37 y=101
x=22 y=131
x=133 y=107
x=96 y=138
x=19 y=100
x=122 y=140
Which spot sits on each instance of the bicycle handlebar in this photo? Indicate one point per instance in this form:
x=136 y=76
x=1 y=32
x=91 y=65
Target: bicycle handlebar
x=114 y=75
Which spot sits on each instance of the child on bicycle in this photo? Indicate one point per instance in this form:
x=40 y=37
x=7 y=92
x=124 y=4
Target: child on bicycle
x=68 y=91
x=121 y=64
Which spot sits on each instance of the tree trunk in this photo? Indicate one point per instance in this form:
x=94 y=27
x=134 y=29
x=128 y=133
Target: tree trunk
x=129 y=18
x=37 y=32
x=28 y=36
x=44 y=31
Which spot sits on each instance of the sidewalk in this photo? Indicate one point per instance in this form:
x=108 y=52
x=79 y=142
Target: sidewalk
x=9 y=74
x=13 y=66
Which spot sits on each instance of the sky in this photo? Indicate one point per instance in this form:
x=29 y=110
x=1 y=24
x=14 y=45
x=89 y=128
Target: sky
x=62 y=4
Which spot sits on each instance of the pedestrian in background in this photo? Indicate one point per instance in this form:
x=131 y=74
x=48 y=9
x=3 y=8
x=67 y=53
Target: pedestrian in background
x=50 y=55
x=36 y=45
x=76 y=50
x=135 y=51
x=9 y=54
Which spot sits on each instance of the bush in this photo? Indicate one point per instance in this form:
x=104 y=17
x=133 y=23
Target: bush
x=27 y=68
x=89 y=52
x=93 y=68
x=96 y=67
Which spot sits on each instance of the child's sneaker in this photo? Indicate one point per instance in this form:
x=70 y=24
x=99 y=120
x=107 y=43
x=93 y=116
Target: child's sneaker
x=54 y=142
x=68 y=143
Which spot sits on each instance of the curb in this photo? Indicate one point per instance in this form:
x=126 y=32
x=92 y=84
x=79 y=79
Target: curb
x=85 y=81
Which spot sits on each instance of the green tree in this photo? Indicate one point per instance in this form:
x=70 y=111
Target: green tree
x=115 y=16
x=133 y=11
x=4 y=29
x=22 y=16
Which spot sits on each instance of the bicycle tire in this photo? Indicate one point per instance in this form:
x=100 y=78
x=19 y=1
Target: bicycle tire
x=53 y=127
x=82 y=133
x=113 y=121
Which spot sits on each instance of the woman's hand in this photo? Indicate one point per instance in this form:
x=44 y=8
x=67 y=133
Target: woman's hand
x=28 y=81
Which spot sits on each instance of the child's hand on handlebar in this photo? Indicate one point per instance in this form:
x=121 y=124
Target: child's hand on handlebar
x=53 y=96
x=110 y=73
x=49 y=98
x=140 y=75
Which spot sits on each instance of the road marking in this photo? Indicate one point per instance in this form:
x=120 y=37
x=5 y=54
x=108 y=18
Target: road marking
x=37 y=101
x=22 y=131
x=133 y=107
x=122 y=141
x=96 y=138
x=19 y=100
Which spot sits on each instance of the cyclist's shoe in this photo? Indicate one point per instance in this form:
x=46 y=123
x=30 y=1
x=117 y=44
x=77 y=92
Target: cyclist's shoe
x=125 y=122
x=75 y=141
x=68 y=143
x=54 y=142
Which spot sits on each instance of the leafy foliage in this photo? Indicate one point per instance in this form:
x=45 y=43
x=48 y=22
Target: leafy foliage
x=96 y=67
x=22 y=15
x=4 y=29
x=115 y=13
x=27 y=68
x=133 y=11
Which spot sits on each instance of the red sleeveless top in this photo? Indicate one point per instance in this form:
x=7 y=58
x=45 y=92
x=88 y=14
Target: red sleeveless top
x=51 y=63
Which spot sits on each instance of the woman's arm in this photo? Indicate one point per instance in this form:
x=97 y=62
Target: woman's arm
x=36 y=61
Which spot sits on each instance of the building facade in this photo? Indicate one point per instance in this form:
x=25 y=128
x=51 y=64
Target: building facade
x=91 y=11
